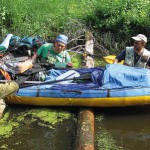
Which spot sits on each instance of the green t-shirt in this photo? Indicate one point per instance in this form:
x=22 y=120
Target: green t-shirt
x=47 y=54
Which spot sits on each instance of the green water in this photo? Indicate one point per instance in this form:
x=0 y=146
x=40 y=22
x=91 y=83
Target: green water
x=24 y=128
x=36 y=128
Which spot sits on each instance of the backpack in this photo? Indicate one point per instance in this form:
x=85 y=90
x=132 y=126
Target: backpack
x=25 y=46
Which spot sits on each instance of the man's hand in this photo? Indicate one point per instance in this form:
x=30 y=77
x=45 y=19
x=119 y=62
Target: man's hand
x=115 y=61
x=69 y=65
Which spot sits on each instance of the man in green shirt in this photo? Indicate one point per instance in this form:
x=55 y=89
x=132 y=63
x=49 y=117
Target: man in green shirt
x=54 y=53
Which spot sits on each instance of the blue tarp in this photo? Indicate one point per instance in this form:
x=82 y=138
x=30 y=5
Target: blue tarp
x=122 y=81
x=121 y=76
x=112 y=77
x=96 y=78
x=96 y=73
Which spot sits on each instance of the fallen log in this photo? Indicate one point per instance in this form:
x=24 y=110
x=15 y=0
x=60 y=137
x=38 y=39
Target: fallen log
x=85 y=129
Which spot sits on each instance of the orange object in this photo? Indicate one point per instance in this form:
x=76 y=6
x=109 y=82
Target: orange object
x=5 y=74
x=1 y=55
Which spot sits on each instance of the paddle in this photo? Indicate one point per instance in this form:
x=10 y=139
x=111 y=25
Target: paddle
x=86 y=76
x=109 y=59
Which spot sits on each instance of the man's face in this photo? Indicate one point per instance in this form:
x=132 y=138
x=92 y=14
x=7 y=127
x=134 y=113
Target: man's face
x=138 y=45
x=59 y=47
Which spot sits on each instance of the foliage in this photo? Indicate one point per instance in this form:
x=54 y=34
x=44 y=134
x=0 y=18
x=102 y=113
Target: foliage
x=112 y=21
x=121 y=18
x=28 y=16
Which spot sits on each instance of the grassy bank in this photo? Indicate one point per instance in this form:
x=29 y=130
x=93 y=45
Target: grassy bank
x=112 y=22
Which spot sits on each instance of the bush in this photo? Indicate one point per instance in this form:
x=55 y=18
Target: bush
x=112 y=20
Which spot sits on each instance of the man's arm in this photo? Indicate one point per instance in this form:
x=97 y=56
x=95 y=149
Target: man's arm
x=148 y=63
x=115 y=61
x=68 y=59
x=34 y=57
x=37 y=54
x=120 y=57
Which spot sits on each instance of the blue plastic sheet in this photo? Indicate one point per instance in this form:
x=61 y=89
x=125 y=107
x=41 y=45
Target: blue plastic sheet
x=122 y=81
x=53 y=73
x=95 y=82
x=121 y=76
x=114 y=76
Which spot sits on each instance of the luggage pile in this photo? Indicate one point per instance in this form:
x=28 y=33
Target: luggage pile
x=19 y=47
x=16 y=53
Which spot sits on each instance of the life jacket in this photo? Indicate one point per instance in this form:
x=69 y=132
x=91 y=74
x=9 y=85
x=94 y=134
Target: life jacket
x=5 y=74
x=142 y=62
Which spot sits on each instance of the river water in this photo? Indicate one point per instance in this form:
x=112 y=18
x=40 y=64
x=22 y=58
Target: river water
x=124 y=128
x=45 y=128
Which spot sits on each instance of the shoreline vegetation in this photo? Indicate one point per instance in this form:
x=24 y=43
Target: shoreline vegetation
x=112 y=22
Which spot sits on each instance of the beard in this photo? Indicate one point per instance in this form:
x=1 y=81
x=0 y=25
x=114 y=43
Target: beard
x=138 y=50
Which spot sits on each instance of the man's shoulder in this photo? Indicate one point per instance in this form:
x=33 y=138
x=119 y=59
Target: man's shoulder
x=44 y=48
x=65 y=51
x=47 y=45
x=146 y=52
x=129 y=48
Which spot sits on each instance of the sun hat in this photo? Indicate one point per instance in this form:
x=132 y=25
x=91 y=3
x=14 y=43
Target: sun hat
x=62 y=38
x=140 y=37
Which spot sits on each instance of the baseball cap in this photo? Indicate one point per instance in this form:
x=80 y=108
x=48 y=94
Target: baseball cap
x=62 y=38
x=140 y=37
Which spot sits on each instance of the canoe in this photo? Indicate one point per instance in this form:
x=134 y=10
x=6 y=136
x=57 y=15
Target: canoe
x=116 y=86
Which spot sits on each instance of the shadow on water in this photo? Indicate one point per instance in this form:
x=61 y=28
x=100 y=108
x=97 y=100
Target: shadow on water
x=125 y=128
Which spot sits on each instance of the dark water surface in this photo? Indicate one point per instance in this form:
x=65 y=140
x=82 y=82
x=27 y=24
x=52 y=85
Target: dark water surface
x=115 y=128
x=125 y=128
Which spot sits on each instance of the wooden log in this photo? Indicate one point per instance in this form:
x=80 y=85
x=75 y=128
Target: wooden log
x=85 y=132
x=85 y=129
x=89 y=48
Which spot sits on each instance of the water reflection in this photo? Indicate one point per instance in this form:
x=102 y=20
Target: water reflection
x=128 y=127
